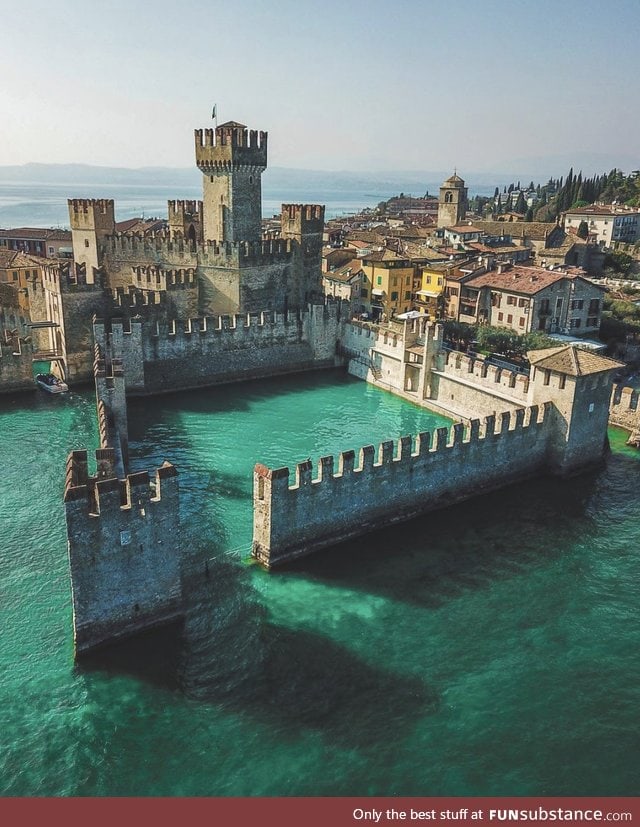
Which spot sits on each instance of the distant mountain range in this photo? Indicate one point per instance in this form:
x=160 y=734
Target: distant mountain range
x=289 y=179
x=275 y=178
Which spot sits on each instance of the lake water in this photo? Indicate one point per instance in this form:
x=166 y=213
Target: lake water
x=487 y=649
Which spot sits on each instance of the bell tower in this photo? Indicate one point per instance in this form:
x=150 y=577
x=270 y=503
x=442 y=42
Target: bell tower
x=452 y=202
x=232 y=160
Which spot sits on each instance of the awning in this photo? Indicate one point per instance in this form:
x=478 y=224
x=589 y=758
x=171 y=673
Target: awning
x=433 y=293
x=377 y=292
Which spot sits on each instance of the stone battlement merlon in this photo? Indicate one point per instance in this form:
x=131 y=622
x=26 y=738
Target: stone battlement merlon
x=485 y=374
x=180 y=208
x=302 y=218
x=88 y=205
x=406 y=449
x=133 y=491
x=307 y=212
x=159 y=278
x=227 y=148
x=399 y=480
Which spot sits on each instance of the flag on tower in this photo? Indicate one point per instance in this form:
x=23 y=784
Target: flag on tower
x=213 y=111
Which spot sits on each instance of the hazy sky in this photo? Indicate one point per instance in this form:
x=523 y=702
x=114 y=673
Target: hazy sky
x=339 y=84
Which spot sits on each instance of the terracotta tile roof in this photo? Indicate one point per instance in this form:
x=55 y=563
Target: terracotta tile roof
x=36 y=233
x=464 y=228
x=18 y=259
x=525 y=280
x=346 y=273
x=573 y=361
x=603 y=209
x=536 y=230
x=385 y=255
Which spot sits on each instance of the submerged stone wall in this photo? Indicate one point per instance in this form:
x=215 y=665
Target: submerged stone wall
x=393 y=484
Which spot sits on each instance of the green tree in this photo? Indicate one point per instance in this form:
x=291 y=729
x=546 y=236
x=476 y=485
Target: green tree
x=583 y=230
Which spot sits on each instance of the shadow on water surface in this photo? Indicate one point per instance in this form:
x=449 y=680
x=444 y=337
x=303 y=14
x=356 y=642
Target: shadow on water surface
x=446 y=553
x=227 y=654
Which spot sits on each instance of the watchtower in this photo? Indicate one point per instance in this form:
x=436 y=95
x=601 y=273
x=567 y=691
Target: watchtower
x=304 y=224
x=452 y=202
x=185 y=220
x=232 y=160
x=91 y=220
x=578 y=383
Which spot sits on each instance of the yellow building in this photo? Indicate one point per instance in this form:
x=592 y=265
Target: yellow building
x=387 y=285
x=429 y=298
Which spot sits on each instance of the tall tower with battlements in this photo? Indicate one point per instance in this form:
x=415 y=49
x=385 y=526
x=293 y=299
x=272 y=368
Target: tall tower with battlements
x=232 y=160
x=91 y=221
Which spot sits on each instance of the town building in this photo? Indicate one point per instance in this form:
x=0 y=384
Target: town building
x=345 y=283
x=47 y=243
x=387 y=284
x=607 y=223
x=17 y=269
x=528 y=299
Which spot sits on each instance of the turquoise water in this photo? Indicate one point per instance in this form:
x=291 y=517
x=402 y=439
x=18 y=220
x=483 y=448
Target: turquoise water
x=488 y=649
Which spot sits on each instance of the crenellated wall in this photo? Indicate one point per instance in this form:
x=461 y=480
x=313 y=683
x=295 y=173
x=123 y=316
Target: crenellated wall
x=472 y=386
x=123 y=544
x=624 y=410
x=163 y=356
x=352 y=496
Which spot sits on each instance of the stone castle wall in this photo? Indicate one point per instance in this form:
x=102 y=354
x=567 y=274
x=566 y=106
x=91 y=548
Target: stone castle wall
x=124 y=556
x=395 y=483
x=16 y=362
x=165 y=356
x=624 y=410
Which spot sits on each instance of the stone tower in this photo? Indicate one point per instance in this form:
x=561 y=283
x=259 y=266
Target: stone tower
x=232 y=160
x=452 y=203
x=91 y=220
x=185 y=220
x=304 y=224
x=578 y=383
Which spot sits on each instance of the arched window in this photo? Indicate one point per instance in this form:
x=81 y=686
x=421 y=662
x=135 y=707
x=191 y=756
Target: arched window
x=191 y=233
x=448 y=198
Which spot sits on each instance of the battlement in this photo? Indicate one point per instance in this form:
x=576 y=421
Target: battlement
x=176 y=250
x=227 y=147
x=124 y=548
x=302 y=218
x=152 y=277
x=91 y=213
x=624 y=410
x=134 y=300
x=101 y=495
x=179 y=209
x=393 y=483
x=486 y=375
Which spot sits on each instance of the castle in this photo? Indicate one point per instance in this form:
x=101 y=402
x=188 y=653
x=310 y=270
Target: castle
x=209 y=301
x=211 y=258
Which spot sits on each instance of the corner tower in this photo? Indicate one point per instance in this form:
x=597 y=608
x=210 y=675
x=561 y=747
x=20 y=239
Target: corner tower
x=91 y=220
x=452 y=202
x=232 y=160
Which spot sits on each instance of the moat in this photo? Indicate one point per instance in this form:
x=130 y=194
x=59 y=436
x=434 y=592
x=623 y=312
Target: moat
x=489 y=648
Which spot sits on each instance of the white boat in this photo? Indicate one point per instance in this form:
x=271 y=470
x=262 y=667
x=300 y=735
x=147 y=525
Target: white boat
x=50 y=383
